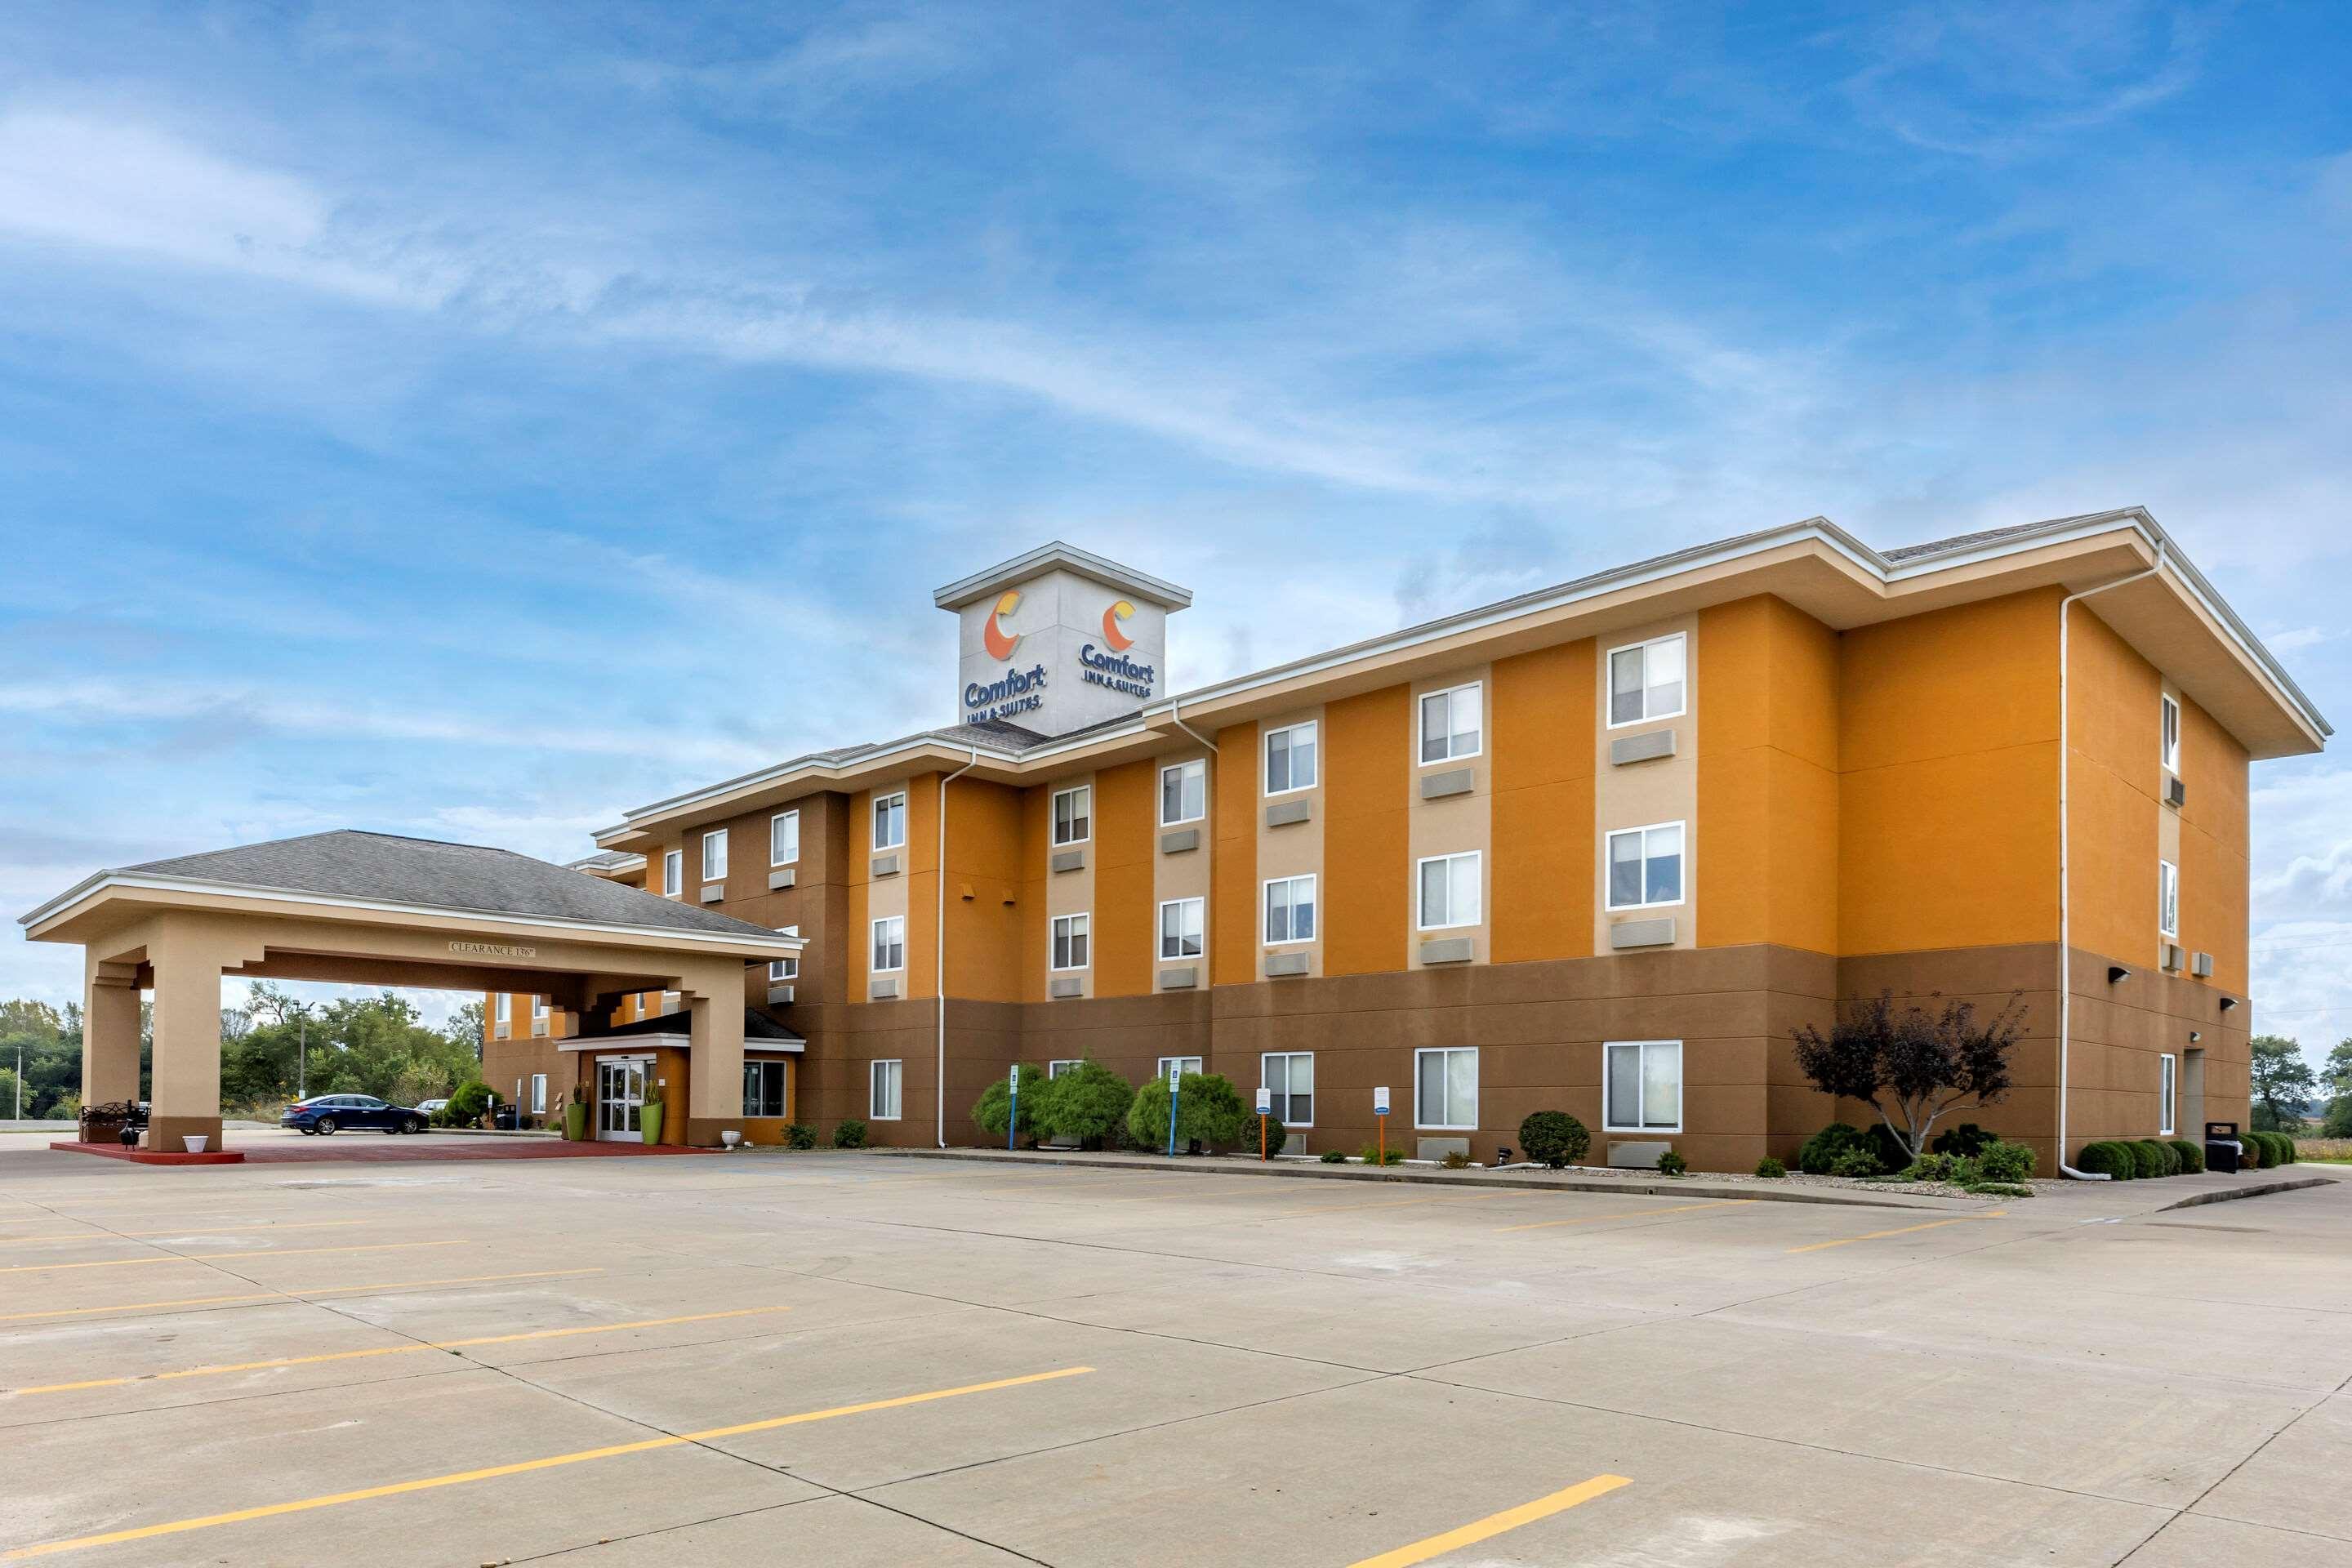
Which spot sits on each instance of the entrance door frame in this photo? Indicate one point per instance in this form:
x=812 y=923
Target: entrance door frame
x=635 y=1065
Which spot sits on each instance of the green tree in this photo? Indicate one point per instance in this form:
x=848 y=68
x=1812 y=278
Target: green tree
x=1208 y=1110
x=2335 y=1072
x=2283 y=1081
x=995 y=1102
x=1088 y=1103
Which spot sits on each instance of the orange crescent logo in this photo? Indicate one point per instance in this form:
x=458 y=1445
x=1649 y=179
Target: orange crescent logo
x=1000 y=645
x=1119 y=641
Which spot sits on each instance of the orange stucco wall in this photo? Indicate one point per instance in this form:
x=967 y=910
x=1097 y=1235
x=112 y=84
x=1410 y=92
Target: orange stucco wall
x=1368 y=755
x=2214 y=870
x=984 y=910
x=2111 y=791
x=1233 y=901
x=856 y=872
x=1543 y=708
x=1126 y=847
x=1037 y=827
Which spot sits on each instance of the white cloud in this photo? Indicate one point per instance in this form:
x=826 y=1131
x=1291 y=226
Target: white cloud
x=2301 y=637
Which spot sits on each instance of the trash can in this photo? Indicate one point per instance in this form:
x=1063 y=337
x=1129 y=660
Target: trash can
x=2221 y=1146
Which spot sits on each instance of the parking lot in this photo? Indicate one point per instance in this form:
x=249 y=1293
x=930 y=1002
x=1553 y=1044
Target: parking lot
x=852 y=1358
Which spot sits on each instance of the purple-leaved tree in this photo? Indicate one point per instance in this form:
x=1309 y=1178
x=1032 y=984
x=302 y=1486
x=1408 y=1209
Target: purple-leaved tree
x=1910 y=1065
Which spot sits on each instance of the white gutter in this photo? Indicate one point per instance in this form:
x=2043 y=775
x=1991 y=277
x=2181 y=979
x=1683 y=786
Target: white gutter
x=940 y=948
x=1177 y=719
x=2065 y=903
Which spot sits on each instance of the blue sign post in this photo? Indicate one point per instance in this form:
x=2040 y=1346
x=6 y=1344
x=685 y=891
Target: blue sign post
x=1012 y=1114
x=1175 y=1082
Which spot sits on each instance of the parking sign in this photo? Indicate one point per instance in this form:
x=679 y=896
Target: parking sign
x=1175 y=1072
x=1265 y=1100
x=1380 y=1101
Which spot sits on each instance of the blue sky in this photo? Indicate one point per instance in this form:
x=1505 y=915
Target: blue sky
x=473 y=421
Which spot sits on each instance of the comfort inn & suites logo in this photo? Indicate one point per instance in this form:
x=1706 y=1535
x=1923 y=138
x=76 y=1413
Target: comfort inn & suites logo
x=998 y=642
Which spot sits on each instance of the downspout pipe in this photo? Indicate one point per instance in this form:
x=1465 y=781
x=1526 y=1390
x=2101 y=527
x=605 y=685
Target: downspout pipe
x=2065 y=902
x=940 y=953
x=1176 y=717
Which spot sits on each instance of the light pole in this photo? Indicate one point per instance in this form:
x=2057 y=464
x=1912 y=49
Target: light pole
x=301 y=1011
x=20 y=1080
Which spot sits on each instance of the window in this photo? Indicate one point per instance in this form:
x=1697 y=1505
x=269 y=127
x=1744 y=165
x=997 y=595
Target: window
x=784 y=969
x=1182 y=922
x=1055 y=1069
x=1290 y=759
x=2165 y=1065
x=714 y=855
x=670 y=1000
x=1645 y=866
x=1184 y=793
x=889 y=944
x=1445 y=1088
x=1645 y=680
x=1070 y=816
x=1290 y=910
x=1449 y=724
x=1449 y=890
x=784 y=839
x=889 y=820
x=1191 y=1064
x=673 y=872
x=2168 y=899
x=882 y=1091
x=1644 y=1091
x=1070 y=942
x=539 y=1094
x=505 y=1012
x=2169 y=745
x=1290 y=1078
x=539 y=1014
x=763 y=1088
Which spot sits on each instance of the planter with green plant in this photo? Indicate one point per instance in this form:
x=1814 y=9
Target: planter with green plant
x=649 y=1114
x=575 y=1116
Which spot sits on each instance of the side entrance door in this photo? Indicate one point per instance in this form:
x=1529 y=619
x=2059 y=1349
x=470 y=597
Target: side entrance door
x=620 y=1100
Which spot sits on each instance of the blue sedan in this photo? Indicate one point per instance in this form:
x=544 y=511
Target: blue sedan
x=324 y=1115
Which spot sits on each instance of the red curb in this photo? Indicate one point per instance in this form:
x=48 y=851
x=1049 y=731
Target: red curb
x=150 y=1156
x=364 y=1154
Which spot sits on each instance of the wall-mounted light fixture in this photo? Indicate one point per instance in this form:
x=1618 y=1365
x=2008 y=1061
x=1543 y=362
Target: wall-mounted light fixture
x=2195 y=1036
x=2228 y=1003
x=2117 y=975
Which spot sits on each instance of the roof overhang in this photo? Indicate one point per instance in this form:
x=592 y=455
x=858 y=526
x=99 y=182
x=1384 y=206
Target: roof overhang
x=2175 y=619
x=1058 y=556
x=674 y=1040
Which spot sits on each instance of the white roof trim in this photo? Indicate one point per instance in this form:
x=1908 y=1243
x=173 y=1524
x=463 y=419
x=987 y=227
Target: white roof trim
x=91 y=887
x=1069 y=557
x=625 y=1045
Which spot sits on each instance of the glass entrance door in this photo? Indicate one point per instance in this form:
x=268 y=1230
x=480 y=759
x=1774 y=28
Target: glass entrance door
x=620 y=1101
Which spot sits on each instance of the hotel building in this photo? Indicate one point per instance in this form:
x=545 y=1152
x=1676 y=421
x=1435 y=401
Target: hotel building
x=1597 y=848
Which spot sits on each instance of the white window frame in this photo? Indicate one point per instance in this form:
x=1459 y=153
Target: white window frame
x=1286 y=1058
x=671 y=1001
x=1420 y=723
x=1183 y=769
x=502 y=1016
x=1265 y=759
x=1641 y=1049
x=1443 y=1126
x=1059 y=1065
x=877 y=948
x=1421 y=890
x=1199 y=1064
x=673 y=873
x=783 y=969
x=540 y=1017
x=1607 y=894
x=2167 y=746
x=539 y=1094
x=1609 y=681
x=1084 y=813
x=2167 y=1094
x=1070 y=930
x=882 y=812
x=1167 y=904
x=1266 y=911
x=793 y=816
x=716 y=838
x=761 y=1066
x=2168 y=899
x=897 y=1077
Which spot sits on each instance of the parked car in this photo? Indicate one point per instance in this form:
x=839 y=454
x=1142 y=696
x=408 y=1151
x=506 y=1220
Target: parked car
x=430 y=1108
x=327 y=1114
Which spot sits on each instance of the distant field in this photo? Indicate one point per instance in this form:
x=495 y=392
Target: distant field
x=2335 y=1151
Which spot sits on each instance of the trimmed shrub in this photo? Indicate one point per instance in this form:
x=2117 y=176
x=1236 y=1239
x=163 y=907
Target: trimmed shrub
x=2265 y=1148
x=469 y=1105
x=1998 y=1159
x=1933 y=1167
x=2109 y=1159
x=1770 y=1169
x=1455 y=1160
x=1671 y=1165
x=799 y=1135
x=1856 y=1162
x=1962 y=1142
x=1209 y=1111
x=1823 y=1149
x=2192 y=1156
x=1088 y=1101
x=1370 y=1155
x=1893 y=1155
x=2149 y=1157
x=2287 y=1156
x=1335 y=1156
x=1554 y=1138
x=849 y=1134
x=995 y=1102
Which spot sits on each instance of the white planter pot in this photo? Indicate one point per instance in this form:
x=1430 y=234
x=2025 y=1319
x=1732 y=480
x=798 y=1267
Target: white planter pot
x=195 y=1142
x=730 y=1139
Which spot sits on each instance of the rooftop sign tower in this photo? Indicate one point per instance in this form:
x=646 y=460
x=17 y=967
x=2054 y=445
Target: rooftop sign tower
x=1057 y=640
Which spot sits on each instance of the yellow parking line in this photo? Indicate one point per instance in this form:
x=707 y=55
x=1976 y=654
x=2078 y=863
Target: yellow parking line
x=183 y=1230
x=1628 y=1213
x=214 y=1257
x=297 y=1294
x=492 y=1472
x=1495 y=1524
x=1904 y=1230
x=391 y=1350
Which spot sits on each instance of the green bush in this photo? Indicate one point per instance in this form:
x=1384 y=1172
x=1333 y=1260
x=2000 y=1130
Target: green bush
x=1671 y=1165
x=1857 y=1161
x=849 y=1134
x=1822 y=1150
x=1335 y=1156
x=1770 y=1169
x=2270 y=1149
x=1370 y=1155
x=1088 y=1101
x=469 y=1104
x=1997 y=1189
x=1554 y=1138
x=2109 y=1159
x=2148 y=1158
x=1455 y=1160
x=995 y=1102
x=799 y=1135
x=1998 y=1159
x=2287 y=1156
x=1208 y=1112
x=1933 y=1167
x=1893 y=1155
x=1962 y=1142
x=2192 y=1156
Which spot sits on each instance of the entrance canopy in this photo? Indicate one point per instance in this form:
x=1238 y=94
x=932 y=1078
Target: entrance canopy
x=377 y=909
